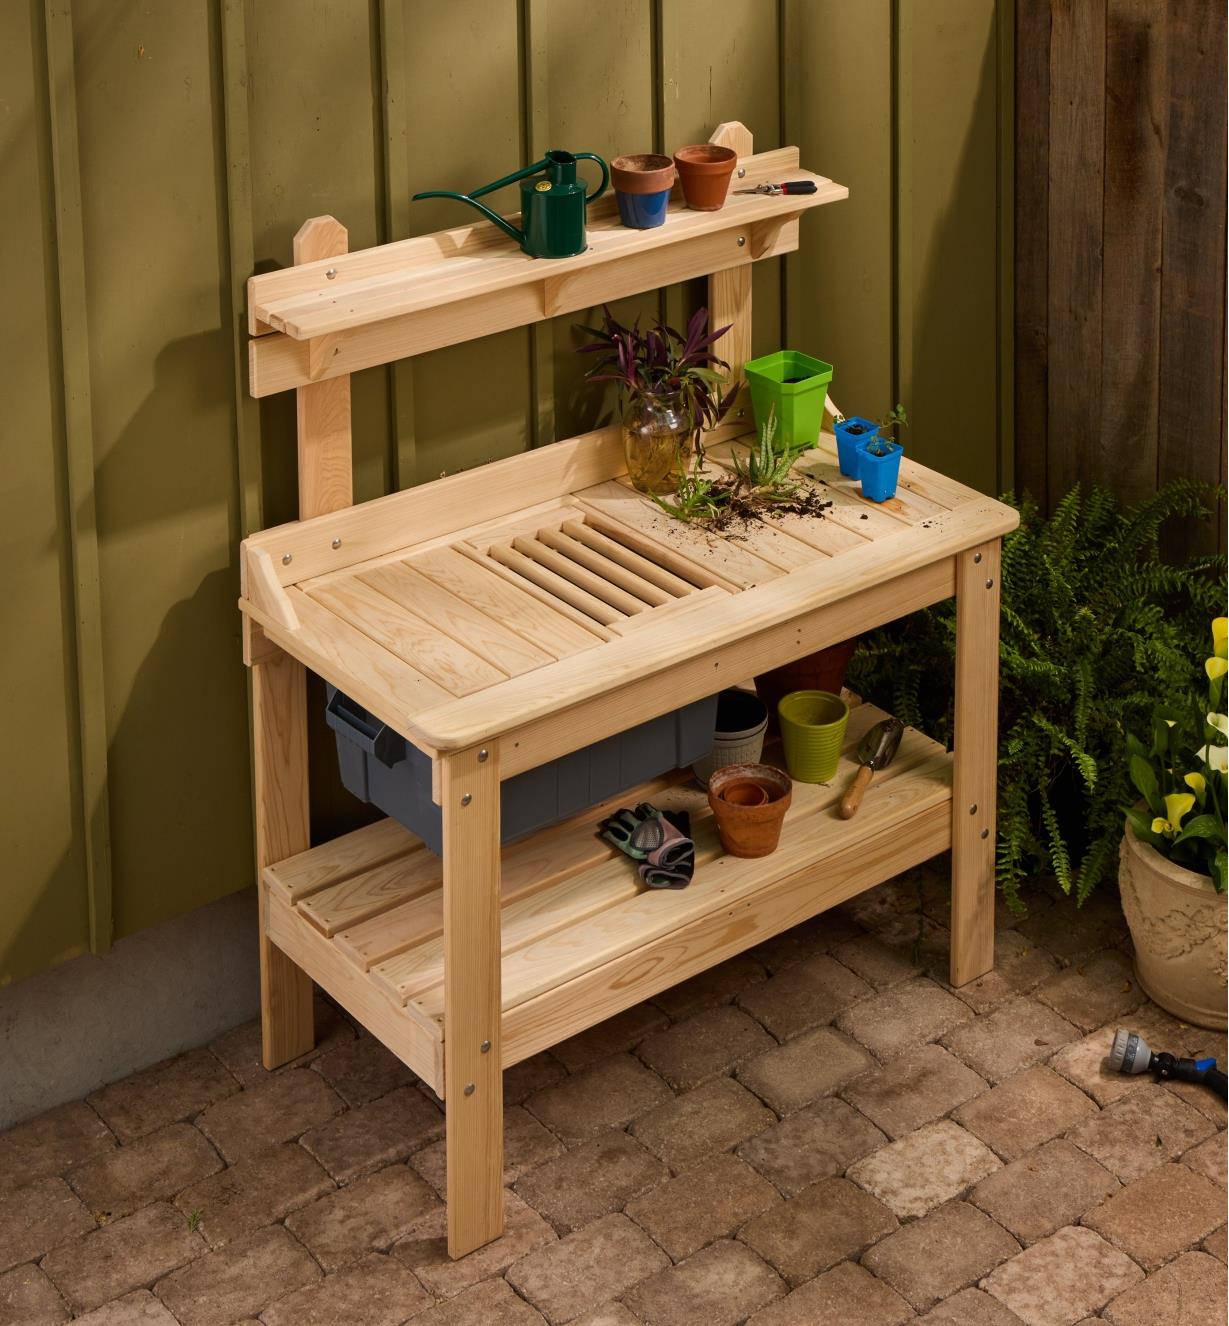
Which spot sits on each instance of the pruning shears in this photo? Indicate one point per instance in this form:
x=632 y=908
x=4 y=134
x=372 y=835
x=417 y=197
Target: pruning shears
x=790 y=186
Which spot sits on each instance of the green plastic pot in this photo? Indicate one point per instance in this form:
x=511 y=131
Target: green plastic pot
x=812 y=732
x=796 y=386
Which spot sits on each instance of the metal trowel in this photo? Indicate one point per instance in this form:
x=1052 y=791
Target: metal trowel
x=875 y=751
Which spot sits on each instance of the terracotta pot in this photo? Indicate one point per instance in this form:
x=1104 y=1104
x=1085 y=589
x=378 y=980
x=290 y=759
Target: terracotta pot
x=1177 y=922
x=822 y=671
x=642 y=172
x=749 y=830
x=704 y=172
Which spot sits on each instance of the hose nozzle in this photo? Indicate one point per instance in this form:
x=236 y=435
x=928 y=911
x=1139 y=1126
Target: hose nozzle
x=1129 y=1053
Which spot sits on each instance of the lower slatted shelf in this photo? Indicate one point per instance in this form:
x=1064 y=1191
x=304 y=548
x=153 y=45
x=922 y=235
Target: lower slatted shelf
x=582 y=939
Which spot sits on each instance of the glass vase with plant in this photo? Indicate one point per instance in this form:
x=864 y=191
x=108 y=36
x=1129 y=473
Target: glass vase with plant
x=669 y=392
x=1180 y=774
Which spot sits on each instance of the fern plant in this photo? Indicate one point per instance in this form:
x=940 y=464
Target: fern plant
x=1096 y=631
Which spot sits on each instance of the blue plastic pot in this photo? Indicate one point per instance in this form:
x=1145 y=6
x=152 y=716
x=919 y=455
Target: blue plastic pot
x=847 y=443
x=879 y=474
x=643 y=211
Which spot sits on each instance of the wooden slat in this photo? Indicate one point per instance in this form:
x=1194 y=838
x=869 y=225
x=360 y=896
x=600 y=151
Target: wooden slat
x=561 y=589
x=472 y=583
x=616 y=552
x=477 y=632
x=297 y=877
x=528 y=587
x=624 y=505
x=372 y=892
x=693 y=572
x=436 y=655
x=614 y=572
x=563 y=566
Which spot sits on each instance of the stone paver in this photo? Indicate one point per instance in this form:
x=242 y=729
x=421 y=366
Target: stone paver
x=847 y=1295
x=585 y=1269
x=153 y=1168
x=121 y=1257
x=714 y=1117
x=718 y=1286
x=804 y=941
x=1083 y=1063
x=1191 y=1288
x=253 y=1193
x=706 y=1203
x=527 y=1144
x=361 y=1070
x=240 y=1049
x=811 y=1065
x=721 y=984
x=819 y=1141
x=1210 y=1159
x=173 y=1090
x=1142 y=1131
x=1073 y=936
x=51 y=1143
x=970 y=1307
x=609 y=1314
x=1169 y=1209
x=425 y=1248
x=1217 y=1245
x=878 y=964
x=238 y=1280
x=376 y=1291
x=28 y=1298
x=930 y=1166
x=491 y=1303
x=708 y=1044
x=1063 y=1279
x=140 y=1308
x=1014 y=1036
x=610 y=1094
x=903 y=1017
x=1041 y=1192
x=822 y=1225
x=1019 y=967
x=1091 y=993
x=375 y=1134
x=930 y=1259
x=531 y=1075
x=37 y=1218
x=622 y=1032
x=1025 y=1111
x=596 y=1177
x=367 y=1216
x=277 y=1109
x=803 y=996
x=915 y=1088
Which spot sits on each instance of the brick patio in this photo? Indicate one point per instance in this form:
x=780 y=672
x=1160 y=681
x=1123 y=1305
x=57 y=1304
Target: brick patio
x=820 y=1131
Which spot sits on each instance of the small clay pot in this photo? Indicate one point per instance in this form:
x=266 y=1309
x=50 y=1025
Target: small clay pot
x=749 y=830
x=704 y=172
x=745 y=794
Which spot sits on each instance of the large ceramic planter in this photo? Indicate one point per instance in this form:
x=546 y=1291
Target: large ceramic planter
x=1177 y=924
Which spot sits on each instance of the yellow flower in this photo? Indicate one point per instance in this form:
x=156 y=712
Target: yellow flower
x=1195 y=781
x=1220 y=636
x=1177 y=808
x=1216 y=666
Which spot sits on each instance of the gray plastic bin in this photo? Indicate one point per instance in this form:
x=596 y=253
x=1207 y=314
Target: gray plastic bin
x=380 y=766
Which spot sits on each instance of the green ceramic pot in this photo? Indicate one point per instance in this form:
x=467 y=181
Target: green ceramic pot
x=812 y=732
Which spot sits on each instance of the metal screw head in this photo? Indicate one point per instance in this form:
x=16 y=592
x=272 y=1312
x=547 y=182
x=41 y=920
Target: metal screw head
x=287 y=558
x=973 y=808
x=485 y=1047
x=989 y=584
x=977 y=557
x=466 y=799
x=483 y=756
x=331 y=274
x=336 y=543
x=742 y=172
x=985 y=833
x=742 y=240
x=469 y=1088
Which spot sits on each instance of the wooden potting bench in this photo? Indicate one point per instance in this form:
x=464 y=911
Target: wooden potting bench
x=507 y=616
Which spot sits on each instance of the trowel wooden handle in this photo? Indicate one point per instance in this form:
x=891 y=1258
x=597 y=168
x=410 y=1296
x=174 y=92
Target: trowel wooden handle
x=855 y=791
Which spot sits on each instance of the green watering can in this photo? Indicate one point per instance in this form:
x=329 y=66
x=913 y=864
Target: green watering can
x=552 y=208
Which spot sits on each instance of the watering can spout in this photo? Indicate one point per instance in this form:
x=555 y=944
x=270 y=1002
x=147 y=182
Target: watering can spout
x=552 y=207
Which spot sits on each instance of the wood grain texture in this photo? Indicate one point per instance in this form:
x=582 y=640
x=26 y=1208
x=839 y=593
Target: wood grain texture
x=975 y=751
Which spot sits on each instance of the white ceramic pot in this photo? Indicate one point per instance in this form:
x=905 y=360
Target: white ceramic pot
x=742 y=720
x=1177 y=922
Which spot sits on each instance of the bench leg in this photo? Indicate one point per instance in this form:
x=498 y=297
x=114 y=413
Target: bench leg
x=976 y=761
x=473 y=1074
x=279 y=753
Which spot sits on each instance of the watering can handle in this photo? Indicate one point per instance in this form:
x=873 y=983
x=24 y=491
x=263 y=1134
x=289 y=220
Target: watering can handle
x=601 y=188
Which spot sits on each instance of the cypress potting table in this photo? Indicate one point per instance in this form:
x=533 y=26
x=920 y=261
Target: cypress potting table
x=506 y=616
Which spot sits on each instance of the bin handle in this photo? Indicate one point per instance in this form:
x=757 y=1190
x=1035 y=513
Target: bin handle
x=371 y=737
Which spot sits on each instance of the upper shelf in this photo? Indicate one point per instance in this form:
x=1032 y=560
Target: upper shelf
x=325 y=319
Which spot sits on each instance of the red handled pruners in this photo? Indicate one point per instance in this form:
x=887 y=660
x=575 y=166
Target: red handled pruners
x=790 y=186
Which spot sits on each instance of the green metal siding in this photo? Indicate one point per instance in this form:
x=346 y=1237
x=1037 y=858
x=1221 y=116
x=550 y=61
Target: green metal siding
x=152 y=156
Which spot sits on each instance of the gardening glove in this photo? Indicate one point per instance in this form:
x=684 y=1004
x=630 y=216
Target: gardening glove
x=672 y=864
x=628 y=831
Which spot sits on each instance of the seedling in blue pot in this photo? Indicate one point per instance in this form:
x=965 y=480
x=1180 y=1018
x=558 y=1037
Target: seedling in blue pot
x=851 y=434
x=879 y=458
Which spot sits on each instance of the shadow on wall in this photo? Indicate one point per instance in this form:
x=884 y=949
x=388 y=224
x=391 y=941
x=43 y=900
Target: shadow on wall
x=953 y=393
